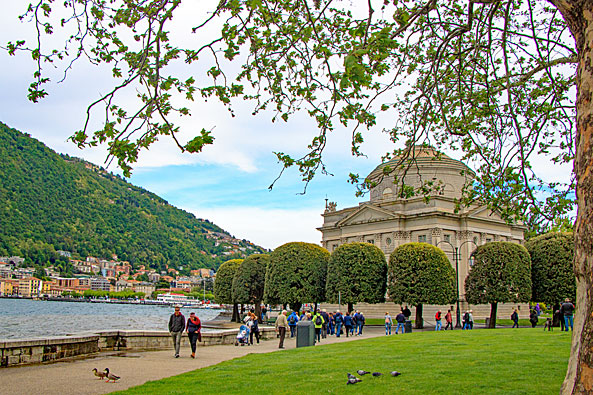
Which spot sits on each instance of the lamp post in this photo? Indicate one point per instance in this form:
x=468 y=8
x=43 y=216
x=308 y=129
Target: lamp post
x=456 y=259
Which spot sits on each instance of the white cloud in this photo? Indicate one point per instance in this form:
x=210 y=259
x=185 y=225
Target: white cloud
x=268 y=228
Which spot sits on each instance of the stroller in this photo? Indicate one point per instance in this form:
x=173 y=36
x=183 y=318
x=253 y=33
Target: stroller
x=242 y=336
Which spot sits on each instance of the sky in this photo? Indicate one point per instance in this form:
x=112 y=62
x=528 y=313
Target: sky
x=228 y=182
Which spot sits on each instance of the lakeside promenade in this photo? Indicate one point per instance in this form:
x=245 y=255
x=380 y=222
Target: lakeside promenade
x=76 y=377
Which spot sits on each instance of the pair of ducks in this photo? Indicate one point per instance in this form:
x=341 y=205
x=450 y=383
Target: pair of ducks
x=106 y=374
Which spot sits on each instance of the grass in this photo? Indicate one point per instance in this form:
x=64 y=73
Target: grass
x=503 y=361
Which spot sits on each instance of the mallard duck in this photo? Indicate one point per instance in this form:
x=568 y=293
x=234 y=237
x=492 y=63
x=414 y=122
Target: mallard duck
x=111 y=376
x=100 y=375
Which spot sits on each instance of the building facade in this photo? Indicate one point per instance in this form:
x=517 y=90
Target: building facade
x=393 y=216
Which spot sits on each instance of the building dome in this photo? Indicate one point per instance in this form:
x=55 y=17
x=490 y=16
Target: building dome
x=424 y=167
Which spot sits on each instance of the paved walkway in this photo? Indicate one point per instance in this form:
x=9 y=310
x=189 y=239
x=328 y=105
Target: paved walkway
x=135 y=368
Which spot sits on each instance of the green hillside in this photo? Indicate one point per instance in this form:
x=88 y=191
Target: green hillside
x=52 y=202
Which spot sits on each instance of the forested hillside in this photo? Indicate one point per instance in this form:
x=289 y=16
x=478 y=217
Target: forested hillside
x=52 y=202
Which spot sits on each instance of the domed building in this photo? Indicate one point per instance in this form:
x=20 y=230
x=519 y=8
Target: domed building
x=415 y=199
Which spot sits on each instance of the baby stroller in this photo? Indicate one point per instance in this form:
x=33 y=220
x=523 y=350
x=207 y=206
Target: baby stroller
x=242 y=336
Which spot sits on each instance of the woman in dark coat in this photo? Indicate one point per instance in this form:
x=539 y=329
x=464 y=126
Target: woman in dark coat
x=193 y=328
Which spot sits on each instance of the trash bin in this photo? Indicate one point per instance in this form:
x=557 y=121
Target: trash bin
x=408 y=326
x=305 y=335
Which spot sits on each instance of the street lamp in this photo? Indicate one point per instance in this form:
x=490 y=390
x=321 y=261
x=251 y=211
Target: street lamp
x=456 y=259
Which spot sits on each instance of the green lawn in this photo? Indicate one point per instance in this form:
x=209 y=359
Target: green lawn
x=504 y=361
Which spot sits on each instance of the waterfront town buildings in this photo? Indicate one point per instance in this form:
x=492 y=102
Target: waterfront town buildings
x=393 y=217
x=92 y=274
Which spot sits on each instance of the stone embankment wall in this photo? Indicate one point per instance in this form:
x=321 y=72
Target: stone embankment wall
x=24 y=352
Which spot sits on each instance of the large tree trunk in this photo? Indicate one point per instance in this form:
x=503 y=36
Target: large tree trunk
x=235 y=317
x=419 y=320
x=296 y=307
x=258 y=311
x=350 y=307
x=493 y=309
x=578 y=14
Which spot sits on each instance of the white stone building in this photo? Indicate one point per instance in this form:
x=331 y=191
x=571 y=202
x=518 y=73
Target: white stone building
x=389 y=220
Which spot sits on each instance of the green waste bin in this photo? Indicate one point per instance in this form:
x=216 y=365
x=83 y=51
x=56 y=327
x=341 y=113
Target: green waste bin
x=408 y=326
x=305 y=335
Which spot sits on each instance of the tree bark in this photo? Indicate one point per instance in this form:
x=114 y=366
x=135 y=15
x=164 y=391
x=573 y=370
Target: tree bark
x=578 y=15
x=258 y=311
x=419 y=320
x=493 y=310
x=296 y=307
x=235 y=317
x=350 y=307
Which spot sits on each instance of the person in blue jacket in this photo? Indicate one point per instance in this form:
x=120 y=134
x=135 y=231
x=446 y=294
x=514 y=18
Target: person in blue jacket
x=292 y=322
x=348 y=322
x=339 y=320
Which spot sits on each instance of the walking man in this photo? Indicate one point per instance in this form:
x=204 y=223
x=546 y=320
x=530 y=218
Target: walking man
x=176 y=328
x=567 y=309
x=449 y=320
x=318 y=321
x=401 y=320
x=515 y=319
x=437 y=318
x=281 y=327
x=325 y=323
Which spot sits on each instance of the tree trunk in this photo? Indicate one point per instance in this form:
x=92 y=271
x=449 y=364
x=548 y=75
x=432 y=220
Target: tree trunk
x=419 y=321
x=296 y=307
x=315 y=309
x=578 y=14
x=258 y=311
x=350 y=307
x=493 y=309
x=235 y=317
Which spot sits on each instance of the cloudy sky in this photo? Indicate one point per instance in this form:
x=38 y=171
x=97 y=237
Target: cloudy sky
x=228 y=182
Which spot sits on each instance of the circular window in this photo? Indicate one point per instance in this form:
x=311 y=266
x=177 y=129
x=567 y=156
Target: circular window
x=388 y=241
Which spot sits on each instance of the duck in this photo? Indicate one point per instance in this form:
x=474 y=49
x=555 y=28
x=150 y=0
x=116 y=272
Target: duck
x=100 y=375
x=110 y=376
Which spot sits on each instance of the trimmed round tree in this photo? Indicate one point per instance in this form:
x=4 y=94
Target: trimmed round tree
x=296 y=274
x=356 y=273
x=552 y=275
x=501 y=274
x=249 y=281
x=223 y=285
x=420 y=273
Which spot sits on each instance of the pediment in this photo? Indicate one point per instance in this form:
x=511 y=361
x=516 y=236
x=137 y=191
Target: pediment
x=365 y=214
x=483 y=212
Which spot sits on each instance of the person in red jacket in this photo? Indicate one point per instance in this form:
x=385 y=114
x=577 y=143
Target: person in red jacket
x=449 y=320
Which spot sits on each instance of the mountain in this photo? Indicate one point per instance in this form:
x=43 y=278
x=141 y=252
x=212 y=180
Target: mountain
x=51 y=202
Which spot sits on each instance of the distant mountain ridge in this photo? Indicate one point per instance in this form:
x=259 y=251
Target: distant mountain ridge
x=51 y=202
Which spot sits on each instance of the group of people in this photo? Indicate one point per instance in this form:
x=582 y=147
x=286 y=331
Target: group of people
x=193 y=327
x=332 y=323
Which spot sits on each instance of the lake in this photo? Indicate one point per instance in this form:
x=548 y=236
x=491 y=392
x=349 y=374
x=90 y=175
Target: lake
x=26 y=318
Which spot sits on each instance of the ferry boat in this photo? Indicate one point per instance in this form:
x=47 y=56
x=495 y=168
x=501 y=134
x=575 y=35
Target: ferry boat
x=180 y=299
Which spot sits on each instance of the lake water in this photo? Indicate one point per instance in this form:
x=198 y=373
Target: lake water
x=26 y=318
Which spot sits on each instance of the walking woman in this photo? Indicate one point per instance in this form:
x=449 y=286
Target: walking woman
x=388 y=323
x=193 y=328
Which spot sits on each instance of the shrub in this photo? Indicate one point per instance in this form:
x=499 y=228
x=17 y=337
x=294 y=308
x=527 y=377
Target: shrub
x=357 y=272
x=552 y=274
x=420 y=273
x=296 y=274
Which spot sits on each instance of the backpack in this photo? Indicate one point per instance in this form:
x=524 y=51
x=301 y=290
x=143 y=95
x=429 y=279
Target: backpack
x=291 y=320
x=466 y=317
x=438 y=316
x=318 y=320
